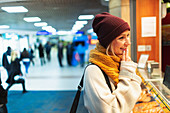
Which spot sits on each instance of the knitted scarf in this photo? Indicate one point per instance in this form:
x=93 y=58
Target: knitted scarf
x=109 y=64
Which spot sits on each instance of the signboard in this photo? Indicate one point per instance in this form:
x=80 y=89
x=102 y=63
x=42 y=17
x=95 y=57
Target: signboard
x=148 y=26
x=43 y=32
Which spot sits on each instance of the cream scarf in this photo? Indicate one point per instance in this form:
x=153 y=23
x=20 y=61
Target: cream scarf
x=109 y=64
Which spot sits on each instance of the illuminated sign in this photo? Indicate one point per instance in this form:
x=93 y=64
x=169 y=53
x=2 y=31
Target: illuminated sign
x=43 y=32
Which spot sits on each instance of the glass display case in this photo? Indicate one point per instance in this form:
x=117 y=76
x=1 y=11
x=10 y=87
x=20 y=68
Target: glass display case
x=155 y=97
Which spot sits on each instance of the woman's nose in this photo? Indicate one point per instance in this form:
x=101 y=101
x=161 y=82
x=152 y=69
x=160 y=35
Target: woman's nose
x=127 y=42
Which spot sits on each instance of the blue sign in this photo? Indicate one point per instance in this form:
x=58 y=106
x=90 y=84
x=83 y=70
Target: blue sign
x=43 y=32
x=80 y=32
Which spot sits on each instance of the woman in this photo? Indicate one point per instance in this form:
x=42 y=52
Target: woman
x=111 y=56
x=15 y=69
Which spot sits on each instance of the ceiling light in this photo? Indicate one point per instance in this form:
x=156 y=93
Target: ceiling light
x=106 y=0
x=90 y=31
x=83 y=17
x=64 y=32
x=47 y=27
x=15 y=9
x=40 y=24
x=77 y=27
x=168 y=5
x=4 y=27
x=81 y=22
x=32 y=19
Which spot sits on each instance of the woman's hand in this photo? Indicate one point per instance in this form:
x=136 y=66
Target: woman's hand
x=125 y=56
x=127 y=63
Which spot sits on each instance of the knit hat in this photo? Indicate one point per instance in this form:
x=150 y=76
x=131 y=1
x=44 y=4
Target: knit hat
x=108 y=27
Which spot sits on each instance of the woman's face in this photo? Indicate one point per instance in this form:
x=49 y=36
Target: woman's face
x=121 y=43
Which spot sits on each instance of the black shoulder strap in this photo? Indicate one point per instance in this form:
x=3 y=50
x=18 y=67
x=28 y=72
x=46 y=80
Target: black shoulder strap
x=107 y=81
x=80 y=86
x=77 y=97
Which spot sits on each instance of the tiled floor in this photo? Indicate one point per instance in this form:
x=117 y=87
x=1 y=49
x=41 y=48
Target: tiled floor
x=50 y=76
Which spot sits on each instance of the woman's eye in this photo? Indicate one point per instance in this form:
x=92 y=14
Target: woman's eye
x=121 y=37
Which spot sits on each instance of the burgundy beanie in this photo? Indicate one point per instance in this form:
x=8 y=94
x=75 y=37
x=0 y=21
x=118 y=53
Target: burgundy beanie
x=108 y=27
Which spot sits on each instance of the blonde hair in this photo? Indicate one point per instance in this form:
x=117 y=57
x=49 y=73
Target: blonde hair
x=13 y=55
x=110 y=47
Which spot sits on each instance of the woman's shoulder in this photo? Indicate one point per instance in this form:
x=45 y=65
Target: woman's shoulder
x=93 y=69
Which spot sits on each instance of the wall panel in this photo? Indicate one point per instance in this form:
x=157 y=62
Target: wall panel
x=147 y=8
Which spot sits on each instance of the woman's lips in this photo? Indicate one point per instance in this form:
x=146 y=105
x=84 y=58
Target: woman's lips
x=123 y=49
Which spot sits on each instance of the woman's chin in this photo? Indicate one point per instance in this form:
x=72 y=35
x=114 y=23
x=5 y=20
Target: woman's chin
x=121 y=53
x=117 y=54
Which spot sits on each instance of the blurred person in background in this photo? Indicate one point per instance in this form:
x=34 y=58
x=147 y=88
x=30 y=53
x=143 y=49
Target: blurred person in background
x=69 y=52
x=60 y=53
x=15 y=70
x=48 y=50
x=6 y=59
x=25 y=58
x=81 y=51
x=31 y=55
x=41 y=54
x=3 y=98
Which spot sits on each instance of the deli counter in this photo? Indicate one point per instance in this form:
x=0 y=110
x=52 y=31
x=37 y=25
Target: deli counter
x=155 y=96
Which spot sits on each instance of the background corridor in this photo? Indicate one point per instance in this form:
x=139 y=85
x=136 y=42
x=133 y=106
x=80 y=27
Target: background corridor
x=49 y=76
x=51 y=89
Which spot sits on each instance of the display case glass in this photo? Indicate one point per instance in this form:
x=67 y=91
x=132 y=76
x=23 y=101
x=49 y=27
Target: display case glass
x=157 y=90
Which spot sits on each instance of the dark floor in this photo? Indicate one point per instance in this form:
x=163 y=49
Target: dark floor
x=42 y=102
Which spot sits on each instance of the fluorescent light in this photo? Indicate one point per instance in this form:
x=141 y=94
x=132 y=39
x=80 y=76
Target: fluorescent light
x=106 y=0
x=15 y=9
x=73 y=31
x=81 y=22
x=32 y=19
x=77 y=26
x=49 y=29
x=168 y=5
x=4 y=27
x=88 y=17
x=90 y=31
x=40 y=24
x=64 y=32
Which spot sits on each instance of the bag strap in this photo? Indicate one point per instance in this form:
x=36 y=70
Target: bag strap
x=77 y=97
x=107 y=81
x=80 y=86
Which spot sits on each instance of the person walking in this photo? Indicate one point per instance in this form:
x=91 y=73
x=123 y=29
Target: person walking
x=41 y=54
x=60 y=53
x=69 y=53
x=6 y=59
x=25 y=58
x=81 y=51
x=110 y=58
x=48 y=50
x=15 y=70
x=31 y=55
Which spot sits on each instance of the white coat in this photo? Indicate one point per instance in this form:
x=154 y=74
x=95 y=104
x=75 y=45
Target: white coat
x=98 y=97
